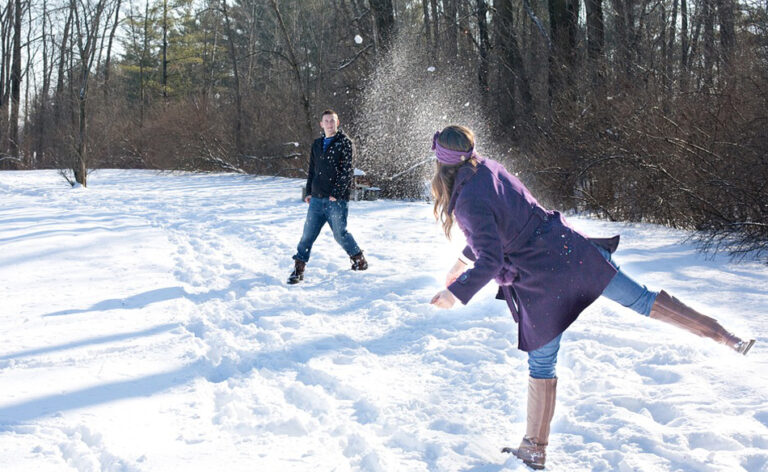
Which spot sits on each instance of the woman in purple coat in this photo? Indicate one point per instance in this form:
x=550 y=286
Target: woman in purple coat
x=547 y=272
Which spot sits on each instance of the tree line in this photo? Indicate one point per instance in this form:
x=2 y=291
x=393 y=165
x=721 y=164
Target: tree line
x=639 y=110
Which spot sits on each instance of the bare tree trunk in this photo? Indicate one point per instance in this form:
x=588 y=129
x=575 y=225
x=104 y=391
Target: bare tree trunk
x=6 y=34
x=238 y=99
x=57 y=105
x=165 y=47
x=563 y=24
x=595 y=29
x=4 y=60
x=5 y=82
x=208 y=87
x=30 y=83
x=87 y=30
x=249 y=68
x=41 y=127
x=363 y=19
x=13 y=137
x=725 y=11
x=595 y=39
x=683 y=45
x=452 y=29
x=573 y=7
x=464 y=14
x=484 y=46
x=435 y=30
x=694 y=52
x=295 y=66
x=142 y=63
x=709 y=43
x=107 y=63
x=5 y=64
x=384 y=16
x=670 y=49
x=100 y=49
x=513 y=73
x=427 y=23
x=623 y=33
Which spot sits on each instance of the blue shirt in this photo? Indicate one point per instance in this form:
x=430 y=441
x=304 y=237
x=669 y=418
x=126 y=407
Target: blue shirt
x=327 y=142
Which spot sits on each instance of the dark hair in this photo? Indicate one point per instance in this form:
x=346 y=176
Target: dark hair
x=329 y=112
x=456 y=138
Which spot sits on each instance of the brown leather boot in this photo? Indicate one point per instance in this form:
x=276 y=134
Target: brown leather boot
x=298 y=272
x=358 y=261
x=541 y=408
x=671 y=310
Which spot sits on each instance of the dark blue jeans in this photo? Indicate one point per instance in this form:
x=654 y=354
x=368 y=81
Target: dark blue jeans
x=321 y=211
x=623 y=290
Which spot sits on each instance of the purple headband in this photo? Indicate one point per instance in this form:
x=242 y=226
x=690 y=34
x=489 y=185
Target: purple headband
x=449 y=156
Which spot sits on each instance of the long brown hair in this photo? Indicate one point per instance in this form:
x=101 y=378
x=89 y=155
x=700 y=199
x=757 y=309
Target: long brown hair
x=456 y=138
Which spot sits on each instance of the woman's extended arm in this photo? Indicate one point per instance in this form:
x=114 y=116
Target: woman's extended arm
x=479 y=225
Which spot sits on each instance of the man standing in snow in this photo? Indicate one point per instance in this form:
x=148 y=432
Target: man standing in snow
x=328 y=186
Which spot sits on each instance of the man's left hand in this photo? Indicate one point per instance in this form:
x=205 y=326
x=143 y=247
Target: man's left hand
x=331 y=199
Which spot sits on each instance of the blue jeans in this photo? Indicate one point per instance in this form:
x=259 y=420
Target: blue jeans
x=541 y=361
x=321 y=211
x=622 y=289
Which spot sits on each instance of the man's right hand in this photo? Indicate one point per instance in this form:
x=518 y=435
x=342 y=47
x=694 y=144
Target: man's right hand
x=307 y=198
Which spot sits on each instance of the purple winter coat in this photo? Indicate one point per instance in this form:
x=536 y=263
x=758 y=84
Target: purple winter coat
x=548 y=272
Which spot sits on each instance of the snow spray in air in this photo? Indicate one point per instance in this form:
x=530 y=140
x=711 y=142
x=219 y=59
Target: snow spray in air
x=408 y=97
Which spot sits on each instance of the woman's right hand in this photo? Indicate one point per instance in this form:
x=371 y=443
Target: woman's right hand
x=458 y=268
x=443 y=299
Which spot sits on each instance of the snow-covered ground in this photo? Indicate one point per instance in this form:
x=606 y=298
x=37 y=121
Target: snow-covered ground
x=146 y=326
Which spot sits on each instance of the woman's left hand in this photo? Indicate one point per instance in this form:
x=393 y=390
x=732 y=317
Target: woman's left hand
x=443 y=299
x=455 y=271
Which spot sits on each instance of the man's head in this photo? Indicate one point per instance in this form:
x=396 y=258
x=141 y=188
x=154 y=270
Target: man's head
x=330 y=123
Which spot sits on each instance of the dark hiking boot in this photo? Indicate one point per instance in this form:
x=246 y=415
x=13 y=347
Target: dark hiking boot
x=358 y=261
x=298 y=272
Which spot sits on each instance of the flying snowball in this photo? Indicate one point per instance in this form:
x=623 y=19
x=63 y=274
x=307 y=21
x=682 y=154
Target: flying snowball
x=358 y=39
x=431 y=69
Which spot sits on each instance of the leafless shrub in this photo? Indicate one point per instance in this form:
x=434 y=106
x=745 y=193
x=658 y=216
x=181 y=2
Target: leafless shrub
x=696 y=160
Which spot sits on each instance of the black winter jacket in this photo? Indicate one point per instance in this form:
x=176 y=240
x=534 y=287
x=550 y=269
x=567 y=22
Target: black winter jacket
x=330 y=172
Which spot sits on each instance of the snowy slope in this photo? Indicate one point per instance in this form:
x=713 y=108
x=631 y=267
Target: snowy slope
x=147 y=327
